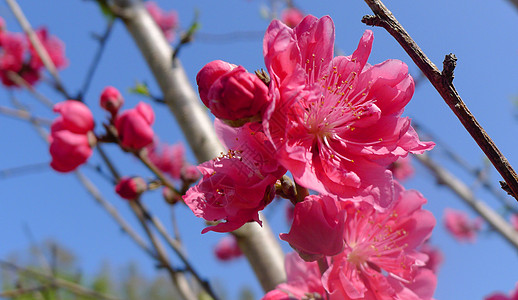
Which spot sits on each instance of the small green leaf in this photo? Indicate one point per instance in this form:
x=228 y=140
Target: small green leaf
x=140 y=88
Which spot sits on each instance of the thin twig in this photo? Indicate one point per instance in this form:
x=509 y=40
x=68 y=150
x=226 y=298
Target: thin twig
x=23 y=83
x=65 y=284
x=38 y=46
x=442 y=81
x=112 y=211
x=22 y=291
x=177 y=248
x=97 y=58
x=475 y=172
x=463 y=192
x=178 y=279
x=23 y=115
x=142 y=156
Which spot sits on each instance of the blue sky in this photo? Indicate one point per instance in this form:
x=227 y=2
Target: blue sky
x=482 y=34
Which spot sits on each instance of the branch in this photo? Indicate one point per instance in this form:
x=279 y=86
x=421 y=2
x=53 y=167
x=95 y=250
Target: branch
x=97 y=58
x=65 y=284
x=463 y=192
x=258 y=244
x=442 y=81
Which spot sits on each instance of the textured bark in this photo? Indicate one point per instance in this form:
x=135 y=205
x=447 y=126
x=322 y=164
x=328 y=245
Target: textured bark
x=258 y=244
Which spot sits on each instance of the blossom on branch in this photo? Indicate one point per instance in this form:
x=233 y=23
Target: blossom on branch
x=167 y=21
x=380 y=259
x=336 y=121
x=71 y=137
x=18 y=56
x=130 y=188
x=111 y=100
x=460 y=226
x=238 y=184
x=134 y=126
x=227 y=249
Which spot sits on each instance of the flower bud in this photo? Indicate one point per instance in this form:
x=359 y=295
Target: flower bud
x=236 y=96
x=292 y=16
x=130 y=188
x=227 y=249
x=209 y=74
x=69 y=150
x=111 y=100
x=134 y=126
x=317 y=229
x=75 y=116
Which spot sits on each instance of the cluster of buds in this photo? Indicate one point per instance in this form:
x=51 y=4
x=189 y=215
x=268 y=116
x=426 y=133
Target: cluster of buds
x=72 y=137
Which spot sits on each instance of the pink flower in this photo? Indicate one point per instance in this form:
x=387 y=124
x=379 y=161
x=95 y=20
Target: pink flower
x=460 y=226
x=303 y=279
x=130 y=188
x=318 y=228
x=229 y=191
x=12 y=59
x=111 y=100
x=170 y=159
x=71 y=137
x=236 y=186
x=134 y=126
x=500 y=296
x=402 y=168
x=380 y=260
x=336 y=121
x=54 y=46
x=231 y=93
x=227 y=249
x=167 y=21
x=292 y=16
x=514 y=221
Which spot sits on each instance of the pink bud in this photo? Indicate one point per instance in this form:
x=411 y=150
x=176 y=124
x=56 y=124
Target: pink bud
x=209 y=74
x=130 y=188
x=68 y=150
x=227 y=249
x=317 y=229
x=235 y=96
x=292 y=16
x=75 y=116
x=111 y=99
x=134 y=126
x=190 y=173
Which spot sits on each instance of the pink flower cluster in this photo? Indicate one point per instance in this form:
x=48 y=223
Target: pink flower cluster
x=335 y=124
x=72 y=137
x=460 y=226
x=167 y=21
x=19 y=57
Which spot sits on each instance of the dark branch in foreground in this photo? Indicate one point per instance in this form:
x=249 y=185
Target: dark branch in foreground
x=442 y=81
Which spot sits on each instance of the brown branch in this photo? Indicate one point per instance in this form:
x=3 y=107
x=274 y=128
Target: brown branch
x=463 y=192
x=442 y=81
